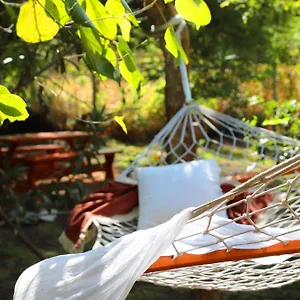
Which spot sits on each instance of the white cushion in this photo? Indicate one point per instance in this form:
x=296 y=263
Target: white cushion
x=165 y=191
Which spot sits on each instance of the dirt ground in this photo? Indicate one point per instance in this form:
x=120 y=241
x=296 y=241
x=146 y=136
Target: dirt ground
x=16 y=257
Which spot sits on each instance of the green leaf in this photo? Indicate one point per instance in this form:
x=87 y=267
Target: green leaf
x=91 y=41
x=168 y=1
x=101 y=19
x=281 y=121
x=126 y=54
x=112 y=58
x=120 y=121
x=103 y=67
x=97 y=57
x=125 y=26
x=131 y=16
x=171 y=42
x=34 y=25
x=57 y=11
x=195 y=11
x=3 y=90
x=12 y=107
x=224 y=3
x=173 y=45
x=116 y=9
x=134 y=78
x=78 y=13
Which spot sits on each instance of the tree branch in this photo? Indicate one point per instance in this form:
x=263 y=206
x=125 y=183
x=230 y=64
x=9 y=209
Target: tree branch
x=21 y=235
x=12 y=4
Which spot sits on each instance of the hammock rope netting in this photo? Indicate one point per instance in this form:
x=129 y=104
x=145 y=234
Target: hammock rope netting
x=242 y=152
x=255 y=250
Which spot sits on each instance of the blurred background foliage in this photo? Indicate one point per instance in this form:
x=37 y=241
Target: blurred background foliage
x=244 y=63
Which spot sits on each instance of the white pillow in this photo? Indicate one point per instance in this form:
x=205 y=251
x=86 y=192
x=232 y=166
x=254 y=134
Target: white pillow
x=165 y=191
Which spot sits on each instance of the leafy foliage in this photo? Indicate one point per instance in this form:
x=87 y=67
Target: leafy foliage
x=195 y=11
x=120 y=121
x=12 y=107
x=34 y=24
x=243 y=42
x=102 y=29
x=173 y=45
x=281 y=116
x=98 y=30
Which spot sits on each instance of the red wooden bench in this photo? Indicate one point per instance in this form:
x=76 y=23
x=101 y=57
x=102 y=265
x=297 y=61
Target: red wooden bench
x=109 y=155
x=19 y=153
x=49 y=148
x=43 y=165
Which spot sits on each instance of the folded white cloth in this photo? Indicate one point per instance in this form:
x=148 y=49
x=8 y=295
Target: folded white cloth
x=109 y=272
x=106 y=273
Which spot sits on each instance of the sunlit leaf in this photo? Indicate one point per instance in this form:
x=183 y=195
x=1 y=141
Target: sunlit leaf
x=78 y=13
x=173 y=45
x=125 y=26
x=120 y=121
x=91 y=40
x=115 y=7
x=126 y=54
x=195 y=11
x=171 y=42
x=110 y=55
x=12 y=107
x=104 y=67
x=168 y=1
x=134 y=78
x=224 y=3
x=274 y=122
x=34 y=25
x=131 y=16
x=101 y=19
x=97 y=57
x=3 y=90
x=117 y=10
x=56 y=10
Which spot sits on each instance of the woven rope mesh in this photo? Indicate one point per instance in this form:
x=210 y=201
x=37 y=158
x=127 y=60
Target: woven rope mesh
x=196 y=132
x=231 y=276
x=247 y=274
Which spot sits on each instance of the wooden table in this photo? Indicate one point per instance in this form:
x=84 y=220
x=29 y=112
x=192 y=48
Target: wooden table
x=48 y=161
x=15 y=140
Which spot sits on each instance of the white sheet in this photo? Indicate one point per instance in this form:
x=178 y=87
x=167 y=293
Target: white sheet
x=109 y=272
x=106 y=273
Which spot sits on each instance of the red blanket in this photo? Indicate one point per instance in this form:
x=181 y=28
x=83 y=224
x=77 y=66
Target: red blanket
x=113 y=198
x=118 y=199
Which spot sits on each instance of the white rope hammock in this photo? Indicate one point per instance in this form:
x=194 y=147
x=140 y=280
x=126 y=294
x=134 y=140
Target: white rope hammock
x=197 y=132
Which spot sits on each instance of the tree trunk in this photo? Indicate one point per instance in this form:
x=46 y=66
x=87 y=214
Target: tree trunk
x=174 y=94
x=275 y=81
x=94 y=94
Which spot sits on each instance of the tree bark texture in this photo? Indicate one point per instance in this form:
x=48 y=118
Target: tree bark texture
x=158 y=15
x=174 y=96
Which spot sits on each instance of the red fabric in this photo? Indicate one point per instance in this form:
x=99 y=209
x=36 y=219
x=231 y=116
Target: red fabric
x=240 y=209
x=113 y=198
x=117 y=198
